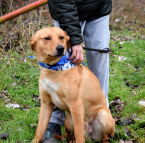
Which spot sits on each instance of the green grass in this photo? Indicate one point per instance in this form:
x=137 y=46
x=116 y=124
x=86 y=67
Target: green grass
x=17 y=122
x=19 y=69
x=122 y=72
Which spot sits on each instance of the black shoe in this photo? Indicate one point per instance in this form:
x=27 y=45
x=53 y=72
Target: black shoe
x=52 y=130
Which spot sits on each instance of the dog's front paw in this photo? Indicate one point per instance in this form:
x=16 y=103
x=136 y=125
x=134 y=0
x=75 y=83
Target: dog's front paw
x=72 y=142
x=34 y=140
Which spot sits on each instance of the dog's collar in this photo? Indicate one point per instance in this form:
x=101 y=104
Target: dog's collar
x=62 y=64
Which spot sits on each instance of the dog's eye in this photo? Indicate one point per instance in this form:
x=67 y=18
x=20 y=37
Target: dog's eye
x=61 y=37
x=47 y=38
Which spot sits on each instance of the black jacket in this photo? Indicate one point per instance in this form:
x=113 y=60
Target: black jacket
x=69 y=12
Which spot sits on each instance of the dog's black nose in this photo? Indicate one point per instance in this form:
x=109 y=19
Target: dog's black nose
x=60 y=49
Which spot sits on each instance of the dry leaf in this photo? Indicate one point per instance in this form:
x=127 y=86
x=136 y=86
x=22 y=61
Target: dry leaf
x=121 y=141
x=121 y=42
x=33 y=125
x=128 y=141
x=117 y=20
x=4 y=136
x=127 y=131
x=134 y=92
x=13 y=83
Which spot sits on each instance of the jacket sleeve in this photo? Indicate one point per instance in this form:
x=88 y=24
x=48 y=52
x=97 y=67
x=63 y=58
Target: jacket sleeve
x=66 y=13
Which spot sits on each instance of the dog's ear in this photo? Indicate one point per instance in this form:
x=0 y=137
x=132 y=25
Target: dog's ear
x=33 y=43
x=68 y=43
x=67 y=40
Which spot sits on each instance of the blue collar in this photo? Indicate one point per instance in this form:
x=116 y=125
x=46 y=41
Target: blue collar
x=62 y=64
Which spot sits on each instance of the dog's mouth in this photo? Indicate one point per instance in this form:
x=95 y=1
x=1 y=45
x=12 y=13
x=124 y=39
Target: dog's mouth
x=50 y=55
x=60 y=55
x=60 y=50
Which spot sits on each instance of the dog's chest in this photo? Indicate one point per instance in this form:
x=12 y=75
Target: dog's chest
x=51 y=88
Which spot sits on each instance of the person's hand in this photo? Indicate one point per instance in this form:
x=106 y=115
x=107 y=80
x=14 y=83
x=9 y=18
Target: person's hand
x=77 y=54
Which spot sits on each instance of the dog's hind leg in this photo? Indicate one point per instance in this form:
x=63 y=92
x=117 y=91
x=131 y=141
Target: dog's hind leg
x=103 y=125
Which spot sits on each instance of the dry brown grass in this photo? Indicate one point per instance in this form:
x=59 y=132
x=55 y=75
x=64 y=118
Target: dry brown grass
x=16 y=33
x=131 y=14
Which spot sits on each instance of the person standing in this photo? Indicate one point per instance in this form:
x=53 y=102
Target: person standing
x=89 y=18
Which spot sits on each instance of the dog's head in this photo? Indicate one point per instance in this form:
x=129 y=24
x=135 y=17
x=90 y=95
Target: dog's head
x=50 y=44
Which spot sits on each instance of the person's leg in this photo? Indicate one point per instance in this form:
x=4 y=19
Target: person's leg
x=56 y=121
x=97 y=35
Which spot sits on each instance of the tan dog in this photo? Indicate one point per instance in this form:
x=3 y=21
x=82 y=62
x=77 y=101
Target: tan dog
x=76 y=90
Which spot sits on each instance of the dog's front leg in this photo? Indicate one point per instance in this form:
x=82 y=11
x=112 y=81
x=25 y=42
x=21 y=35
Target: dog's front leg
x=77 y=112
x=44 y=117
